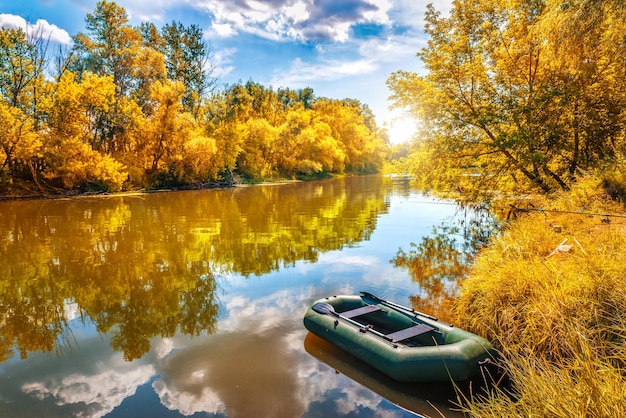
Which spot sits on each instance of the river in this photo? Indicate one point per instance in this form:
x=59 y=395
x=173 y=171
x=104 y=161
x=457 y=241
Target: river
x=190 y=303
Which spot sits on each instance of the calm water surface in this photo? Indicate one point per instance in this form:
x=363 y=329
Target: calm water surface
x=191 y=303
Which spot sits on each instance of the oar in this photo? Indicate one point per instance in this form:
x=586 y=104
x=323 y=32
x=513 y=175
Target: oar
x=328 y=309
x=396 y=306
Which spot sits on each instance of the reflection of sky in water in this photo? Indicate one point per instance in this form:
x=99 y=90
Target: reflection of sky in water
x=254 y=366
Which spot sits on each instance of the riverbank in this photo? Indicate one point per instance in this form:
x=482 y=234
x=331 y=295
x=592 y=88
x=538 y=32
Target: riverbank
x=137 y=192
x=53 y=194
x=550 y=293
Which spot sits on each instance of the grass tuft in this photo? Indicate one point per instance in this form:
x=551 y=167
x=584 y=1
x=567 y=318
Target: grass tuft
x=554 y=304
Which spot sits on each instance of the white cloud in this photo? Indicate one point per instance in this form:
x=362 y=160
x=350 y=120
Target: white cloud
x=223 y=62
x=302 y=74
x=411 y=12
x=395 y=48
x=149 y=10
x=334 y=64
x=224 y=30
x=42 y=29
x=297 y=12
x=304 y=20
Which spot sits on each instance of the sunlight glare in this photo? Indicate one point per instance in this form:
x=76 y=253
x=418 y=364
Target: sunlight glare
x=401 y=128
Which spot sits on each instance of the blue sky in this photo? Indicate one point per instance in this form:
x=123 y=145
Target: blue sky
x=340 y=48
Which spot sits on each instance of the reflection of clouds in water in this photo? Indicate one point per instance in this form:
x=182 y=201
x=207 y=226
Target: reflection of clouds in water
x=255 y=366
x=342 y=262
x=250 y=369
x=162 y=346
x=100 y=392
x=355 y=397
x=188 y=403
x=241 y=373
x=259 y=315
x=371 y=269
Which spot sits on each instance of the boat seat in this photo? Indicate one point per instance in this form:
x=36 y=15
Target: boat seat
x=405 y=334
x=352 y=313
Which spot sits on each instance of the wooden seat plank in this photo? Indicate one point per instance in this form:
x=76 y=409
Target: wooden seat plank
x=405 y=334
x=360 y=311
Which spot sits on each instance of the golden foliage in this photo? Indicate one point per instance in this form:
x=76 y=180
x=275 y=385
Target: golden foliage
x=554 y=300
x=19 y=141
x=78 y=165
x=139 y=100
x=517 y=94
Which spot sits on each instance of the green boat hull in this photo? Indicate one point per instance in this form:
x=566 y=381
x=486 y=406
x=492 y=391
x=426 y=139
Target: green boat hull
x=442 y=353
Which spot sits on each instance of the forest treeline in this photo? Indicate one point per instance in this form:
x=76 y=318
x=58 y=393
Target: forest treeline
x=518 y=95
x=128 y=107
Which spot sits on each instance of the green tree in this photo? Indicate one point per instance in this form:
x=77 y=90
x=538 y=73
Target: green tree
x=23 y=60
x=112 y=47
x=189 y=60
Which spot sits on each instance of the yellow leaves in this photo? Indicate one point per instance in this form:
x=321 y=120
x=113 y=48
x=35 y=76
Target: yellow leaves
x=198 y=154
x=77 y=165
x=125 y=104
x=97 y=92
x=73 y=108
x=510 y=88
x=257 y=155
x=18 y=138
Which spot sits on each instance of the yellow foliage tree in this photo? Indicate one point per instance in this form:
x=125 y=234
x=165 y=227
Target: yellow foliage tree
x=20 y=144
x=74 y=111
x=77 y=165
x=200 y=150
x=519 y=93
x=256 y=159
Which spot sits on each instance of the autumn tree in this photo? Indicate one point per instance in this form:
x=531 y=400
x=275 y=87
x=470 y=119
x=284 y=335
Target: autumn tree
x=23 y=60
x=498 y=102
x=257 y=157
x=110 y=45
x=353 y=127
x=22 y=63
x=20 y=146
x=587 y=57
x=74 y=111
x=135 y=106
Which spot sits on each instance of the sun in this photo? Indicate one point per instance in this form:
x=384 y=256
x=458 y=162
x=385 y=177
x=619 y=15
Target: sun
x=401 y=128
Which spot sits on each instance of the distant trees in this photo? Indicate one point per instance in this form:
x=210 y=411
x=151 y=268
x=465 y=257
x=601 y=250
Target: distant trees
x=518 y=93
x=138 y=107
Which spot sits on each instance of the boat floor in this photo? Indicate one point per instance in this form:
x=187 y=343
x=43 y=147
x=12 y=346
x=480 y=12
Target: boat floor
x=404 y=336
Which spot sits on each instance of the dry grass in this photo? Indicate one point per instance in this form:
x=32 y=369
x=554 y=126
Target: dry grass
x=558 y=317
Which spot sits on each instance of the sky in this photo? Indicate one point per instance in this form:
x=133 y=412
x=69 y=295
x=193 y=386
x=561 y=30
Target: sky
x=339 y=48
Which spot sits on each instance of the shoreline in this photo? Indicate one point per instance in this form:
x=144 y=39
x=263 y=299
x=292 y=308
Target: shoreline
x=137 y=192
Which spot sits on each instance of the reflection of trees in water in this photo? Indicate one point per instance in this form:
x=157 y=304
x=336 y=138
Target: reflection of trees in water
x=442 y=260
x=145 y=266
